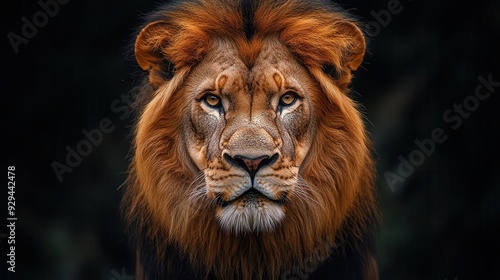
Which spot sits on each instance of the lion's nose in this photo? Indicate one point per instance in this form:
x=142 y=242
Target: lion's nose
x=251 y=165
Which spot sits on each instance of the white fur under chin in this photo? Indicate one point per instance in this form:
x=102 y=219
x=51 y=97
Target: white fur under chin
x=250 y=217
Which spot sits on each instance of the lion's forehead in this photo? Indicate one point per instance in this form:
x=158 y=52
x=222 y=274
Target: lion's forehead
x=273 y=70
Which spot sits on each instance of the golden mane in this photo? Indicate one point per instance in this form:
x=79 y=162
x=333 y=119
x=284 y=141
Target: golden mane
x=338 y=168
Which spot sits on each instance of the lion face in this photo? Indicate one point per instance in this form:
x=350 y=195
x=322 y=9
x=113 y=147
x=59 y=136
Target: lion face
x=249 y=130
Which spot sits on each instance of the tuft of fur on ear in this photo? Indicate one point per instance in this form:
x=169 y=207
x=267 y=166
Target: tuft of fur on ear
x=321 y=36
x=163 y=47
x=149 y=47
x=180 y=36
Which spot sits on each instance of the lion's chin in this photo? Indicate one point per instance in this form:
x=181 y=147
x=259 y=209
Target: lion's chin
x=253 y=216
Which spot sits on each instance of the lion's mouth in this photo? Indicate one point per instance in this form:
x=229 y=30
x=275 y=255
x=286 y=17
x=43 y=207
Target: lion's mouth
x=251 y=211
x=251 y=196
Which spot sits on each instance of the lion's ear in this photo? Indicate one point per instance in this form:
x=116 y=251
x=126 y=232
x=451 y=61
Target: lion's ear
x=150 y=47
x=355 y=47
x=165 y=46
x=332 y=44
x=149 y=44
x=345 y=53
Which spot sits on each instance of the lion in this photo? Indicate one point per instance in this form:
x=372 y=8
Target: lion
x=250 y=159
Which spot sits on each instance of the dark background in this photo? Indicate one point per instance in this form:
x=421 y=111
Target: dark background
x=441 y=222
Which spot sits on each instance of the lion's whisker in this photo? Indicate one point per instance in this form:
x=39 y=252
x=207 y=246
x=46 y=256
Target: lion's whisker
x=198 y=186
x=304 y=191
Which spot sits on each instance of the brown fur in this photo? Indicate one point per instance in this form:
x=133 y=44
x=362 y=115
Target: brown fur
x=338 y=166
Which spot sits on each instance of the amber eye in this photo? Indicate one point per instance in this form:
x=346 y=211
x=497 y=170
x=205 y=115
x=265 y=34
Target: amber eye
x=288 y=99
x=212 y=100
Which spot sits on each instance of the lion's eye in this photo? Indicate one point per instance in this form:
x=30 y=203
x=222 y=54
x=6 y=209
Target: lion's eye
x=288 y=99
x=212 y=100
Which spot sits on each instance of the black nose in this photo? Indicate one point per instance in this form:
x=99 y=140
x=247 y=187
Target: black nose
x=251 y=165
